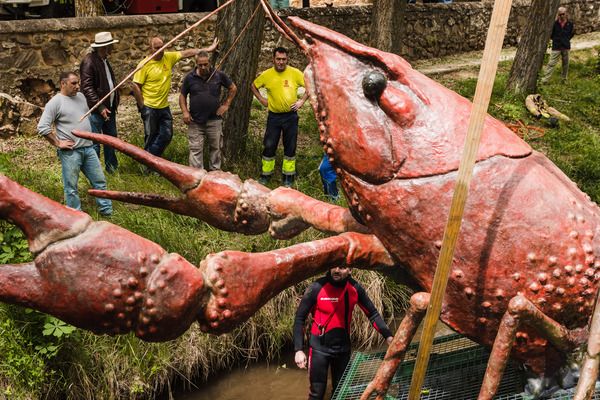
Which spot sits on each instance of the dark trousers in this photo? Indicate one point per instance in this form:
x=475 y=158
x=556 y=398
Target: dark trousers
x=158 y=129
x=318 y=367
x=99 y=125
x=278 y=124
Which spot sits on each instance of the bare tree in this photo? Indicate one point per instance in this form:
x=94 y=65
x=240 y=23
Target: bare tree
x=241 y=65
x=532 y=47
x=386 y=24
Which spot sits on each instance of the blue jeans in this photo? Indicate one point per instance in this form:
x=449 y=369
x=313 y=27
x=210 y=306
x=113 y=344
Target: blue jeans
x=328 y=177
x=158 y=129
x=86 y=160
x=280 y=3
x=99 y=125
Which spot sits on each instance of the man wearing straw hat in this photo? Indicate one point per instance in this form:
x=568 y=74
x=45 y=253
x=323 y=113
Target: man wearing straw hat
x=151 y=90
x=97 y=80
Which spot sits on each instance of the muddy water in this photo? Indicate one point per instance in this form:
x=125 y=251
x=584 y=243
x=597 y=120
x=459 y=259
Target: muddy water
x=280 y=380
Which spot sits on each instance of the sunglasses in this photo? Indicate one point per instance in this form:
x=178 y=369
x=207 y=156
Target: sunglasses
x=562 y=14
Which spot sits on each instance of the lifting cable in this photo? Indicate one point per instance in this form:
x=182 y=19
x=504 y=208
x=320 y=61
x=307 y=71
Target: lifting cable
x=485 y=84
x=239 y=36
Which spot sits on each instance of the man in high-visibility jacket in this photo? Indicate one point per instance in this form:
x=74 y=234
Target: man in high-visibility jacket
x=282 y=83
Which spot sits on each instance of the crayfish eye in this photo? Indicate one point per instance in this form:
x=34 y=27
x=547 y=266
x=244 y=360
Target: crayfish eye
x=374 y=83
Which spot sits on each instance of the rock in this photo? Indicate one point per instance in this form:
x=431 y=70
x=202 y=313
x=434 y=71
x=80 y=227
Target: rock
x=15 y=113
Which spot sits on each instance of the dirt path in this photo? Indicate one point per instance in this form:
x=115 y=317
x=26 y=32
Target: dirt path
x=471 y=60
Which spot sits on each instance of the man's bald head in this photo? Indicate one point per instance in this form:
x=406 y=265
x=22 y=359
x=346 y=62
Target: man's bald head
x=155 y=44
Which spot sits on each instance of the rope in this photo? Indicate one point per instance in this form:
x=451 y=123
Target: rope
x=239 y=36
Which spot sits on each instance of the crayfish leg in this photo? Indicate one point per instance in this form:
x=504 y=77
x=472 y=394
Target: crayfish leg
x=182 y=176
x=43 y=221
x=521 y=310
x=21 y=284
x=397 y=349
x=240 y=283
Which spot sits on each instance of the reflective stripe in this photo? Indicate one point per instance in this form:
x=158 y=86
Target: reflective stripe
x=289 y=166
x=268 y=165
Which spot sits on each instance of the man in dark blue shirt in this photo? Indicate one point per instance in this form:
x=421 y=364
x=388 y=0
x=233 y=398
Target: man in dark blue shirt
x=204 y=116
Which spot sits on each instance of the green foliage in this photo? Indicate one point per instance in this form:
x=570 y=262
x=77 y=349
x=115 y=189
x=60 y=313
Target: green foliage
x=13 y=245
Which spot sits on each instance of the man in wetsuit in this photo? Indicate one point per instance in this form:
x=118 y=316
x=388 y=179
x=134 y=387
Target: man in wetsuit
x=331 y=300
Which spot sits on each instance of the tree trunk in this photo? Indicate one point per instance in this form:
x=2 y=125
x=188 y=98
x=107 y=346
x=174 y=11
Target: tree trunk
x=241 y=65
x=386 y=25
x=532 y=47
x=88 y=8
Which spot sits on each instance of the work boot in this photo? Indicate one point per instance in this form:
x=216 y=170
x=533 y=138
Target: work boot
x=264 y=179
x=288 y=180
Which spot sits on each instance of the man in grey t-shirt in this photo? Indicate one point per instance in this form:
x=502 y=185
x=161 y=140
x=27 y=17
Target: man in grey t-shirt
x=62 y=115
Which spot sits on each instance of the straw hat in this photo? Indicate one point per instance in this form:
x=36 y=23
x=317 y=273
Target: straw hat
x=103 y=39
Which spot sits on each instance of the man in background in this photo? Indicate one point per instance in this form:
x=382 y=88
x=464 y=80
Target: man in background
x=562 y=32
x=62 y=115
x=282 y=83
x=151 y=91
x=204 y=115
x=97 y=80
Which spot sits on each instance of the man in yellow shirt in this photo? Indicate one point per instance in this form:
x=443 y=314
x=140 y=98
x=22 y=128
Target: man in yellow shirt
x=151 y=91
x=281 y=82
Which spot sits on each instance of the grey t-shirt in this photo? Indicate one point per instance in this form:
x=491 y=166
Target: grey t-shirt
x=64 y=113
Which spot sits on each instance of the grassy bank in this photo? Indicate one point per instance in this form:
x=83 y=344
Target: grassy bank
x=40 y=357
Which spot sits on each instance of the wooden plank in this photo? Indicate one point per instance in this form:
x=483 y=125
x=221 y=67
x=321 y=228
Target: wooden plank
x=485 y=83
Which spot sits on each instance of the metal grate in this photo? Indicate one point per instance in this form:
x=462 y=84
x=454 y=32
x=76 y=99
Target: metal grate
x=455 y=372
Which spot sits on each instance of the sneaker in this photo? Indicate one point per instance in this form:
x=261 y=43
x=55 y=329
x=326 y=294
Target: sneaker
x=264 y=179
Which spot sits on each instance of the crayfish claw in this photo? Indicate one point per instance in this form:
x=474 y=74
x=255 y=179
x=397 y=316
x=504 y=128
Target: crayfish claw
x=176 y=205
x=43 y=221
x=183 y=177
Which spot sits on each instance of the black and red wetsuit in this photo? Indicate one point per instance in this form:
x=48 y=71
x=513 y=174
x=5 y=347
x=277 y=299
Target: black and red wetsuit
x=331 y=304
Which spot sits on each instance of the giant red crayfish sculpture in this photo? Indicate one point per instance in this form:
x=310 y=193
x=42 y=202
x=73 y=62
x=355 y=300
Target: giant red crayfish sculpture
x=525 y=273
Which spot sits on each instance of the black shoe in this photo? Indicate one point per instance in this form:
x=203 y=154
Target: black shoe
x=288 y=180
x=264 y=179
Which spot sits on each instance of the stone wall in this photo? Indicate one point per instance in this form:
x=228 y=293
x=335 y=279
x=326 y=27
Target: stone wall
x=32 y=53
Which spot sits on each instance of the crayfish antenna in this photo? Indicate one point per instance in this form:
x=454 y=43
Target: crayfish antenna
x=43 y=221
x=183 y=177
x=176 y=205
